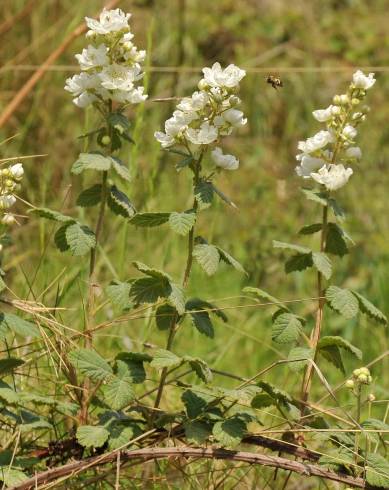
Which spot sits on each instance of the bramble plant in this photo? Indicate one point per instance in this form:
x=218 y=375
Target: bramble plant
x=157 y=402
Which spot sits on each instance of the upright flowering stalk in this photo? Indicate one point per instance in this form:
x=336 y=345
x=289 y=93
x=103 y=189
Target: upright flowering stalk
x=195 y=132
x=9 y=183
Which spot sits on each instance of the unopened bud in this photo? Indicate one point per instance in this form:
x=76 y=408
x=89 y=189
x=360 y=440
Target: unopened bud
x=335 y=110
x=17 y=171
x=362 y=378
x=202 y=85
x=364 y=370
x=344 y=99
x=336 y=99
x=234 y=100
x=355 y=101
x=350 y=384
x=105 y=140
x=371 y=397
x=357 y=372
x=8 y=219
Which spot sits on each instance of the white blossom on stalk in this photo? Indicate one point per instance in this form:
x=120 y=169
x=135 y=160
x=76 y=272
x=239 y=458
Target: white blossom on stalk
x=205 y=135
x=227 y=78
x=228 y=162
x=110 y=65
x=362 y=81
x=325 y=154
x=17 y=171
x=332 y=176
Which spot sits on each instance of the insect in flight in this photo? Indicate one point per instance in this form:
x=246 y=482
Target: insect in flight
x=275 y=82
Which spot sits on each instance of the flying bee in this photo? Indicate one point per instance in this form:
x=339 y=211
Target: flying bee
x=275 y=82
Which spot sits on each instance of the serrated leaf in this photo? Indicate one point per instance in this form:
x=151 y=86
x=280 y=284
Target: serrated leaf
x=149 y=220
x=298 y=358
x=262 y=400
x=11 y=477
x=228 y=259
x=91 y=364
x=261 y=294
x=291 y=246
x=200 y=367
x=322 y=264
x=8 y=394
x=201 y=319
x=119 y=203
x=329 y=347
x=319 y=197
x=182 y=223
x=176 y=297
x=195 y=403
x=208 y=257
x=118 y=391
x=118 y=121
x=369 y=309
x=165 y=359
x=135 y=365
x=80 y=239
x=92 y=435
x=121 y=169
x=52 y=215
x=60 y=239
x=278 y=395
x=286 y=328
x=204 y=194
x=377 y=471
x=17 y=325
x=9 y=364
x=376 y=425
x=298 y=262
x=121 y=433
x=197 y=431
x=89 y=197
x=229 y=432
x=149 y=271
x=342 y=301
x=202 y=322
x=149 y=290
x=336 y=243
x=119 y=294
x=91 y=161
x=164 y=316
x=336 y=208
x=310 y=229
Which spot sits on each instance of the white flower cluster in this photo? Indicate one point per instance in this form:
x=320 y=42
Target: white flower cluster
x=323 y=156
x=210 y=113
x=110 y=65
x=9 y=183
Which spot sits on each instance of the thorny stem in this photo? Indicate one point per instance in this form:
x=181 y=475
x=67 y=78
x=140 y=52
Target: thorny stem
x=188 y=268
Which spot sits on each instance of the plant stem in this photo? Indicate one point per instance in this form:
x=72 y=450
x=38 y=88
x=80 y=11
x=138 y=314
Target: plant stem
x=315 y=335
x=358 y=418
x=188 y=268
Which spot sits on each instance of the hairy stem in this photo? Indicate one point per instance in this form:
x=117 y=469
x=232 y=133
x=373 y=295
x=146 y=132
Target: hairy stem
x=315 y=335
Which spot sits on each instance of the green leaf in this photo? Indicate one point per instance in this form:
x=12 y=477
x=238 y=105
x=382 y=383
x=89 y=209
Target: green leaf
x=329 y=347
x=319 y=197
x=197 y=431
x=165 y=359
x=182 y=223
x=92 y=435
x=342 y=301
x=91 y=161
x=286 y=328
x=296 y=357
x=91 y=364
x=119 y=294
x=149 y=271
x=121 y=169
x=80 y=239
x=149 y=290
x=164 y=316
x=52 y=215
x=60 y=239
x=298 y=262
x=90 y=197
x=336 y=243
x=9 y=364
x=208 y=257
x=278 y=395
x=369 y=309
x=291 y=246
x=11 y=476
x=176 y=297
x=261 y=294
x=119 y=122
x=229 y=432
x=200 y=367
x=262 y=400
x=2 y=284
x=17 y=325
x=377 y=425
x=201 y=319
x=121 y=432
x=322 y=264
x=310 y=229
x=377 y=471
x=204 y=194
x=118 y=391
x=149 y=220
x=119 y=203
x=195 y=403
x=228 y=259
x=8 y=394
x=336 y=208
x=135 y=365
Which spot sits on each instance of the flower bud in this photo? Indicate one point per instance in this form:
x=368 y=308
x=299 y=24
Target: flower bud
x=355 y=101
x=234 y=100
x=350 y=384
x=9 y=183
x=362 y=378
x=17 y=171
x=202 y=85
x=105 y=140
x=364 y=370
x=335 y=110
x=371 y=397
x=8 y=219
x=344 y=99
x=336 y=99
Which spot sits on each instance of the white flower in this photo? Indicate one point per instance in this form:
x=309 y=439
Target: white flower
x=7 y=201
x=316 y=142
x=179 y=122
x=110 y=21
x=362 y=81
x=17 y=171
x=92 y=57
x=84 y=99
x=333 y=176
x=195 y=103
x=118 y=77
x=78 y=84
x=166 y=140
x=217 y=77
x=203 y=136
x=8 y=219
x=234 y=117
x=228 y=162
x=308 y=165
x=323 y=115
x=354 y=152
x=133 y=96
x=349 y=132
